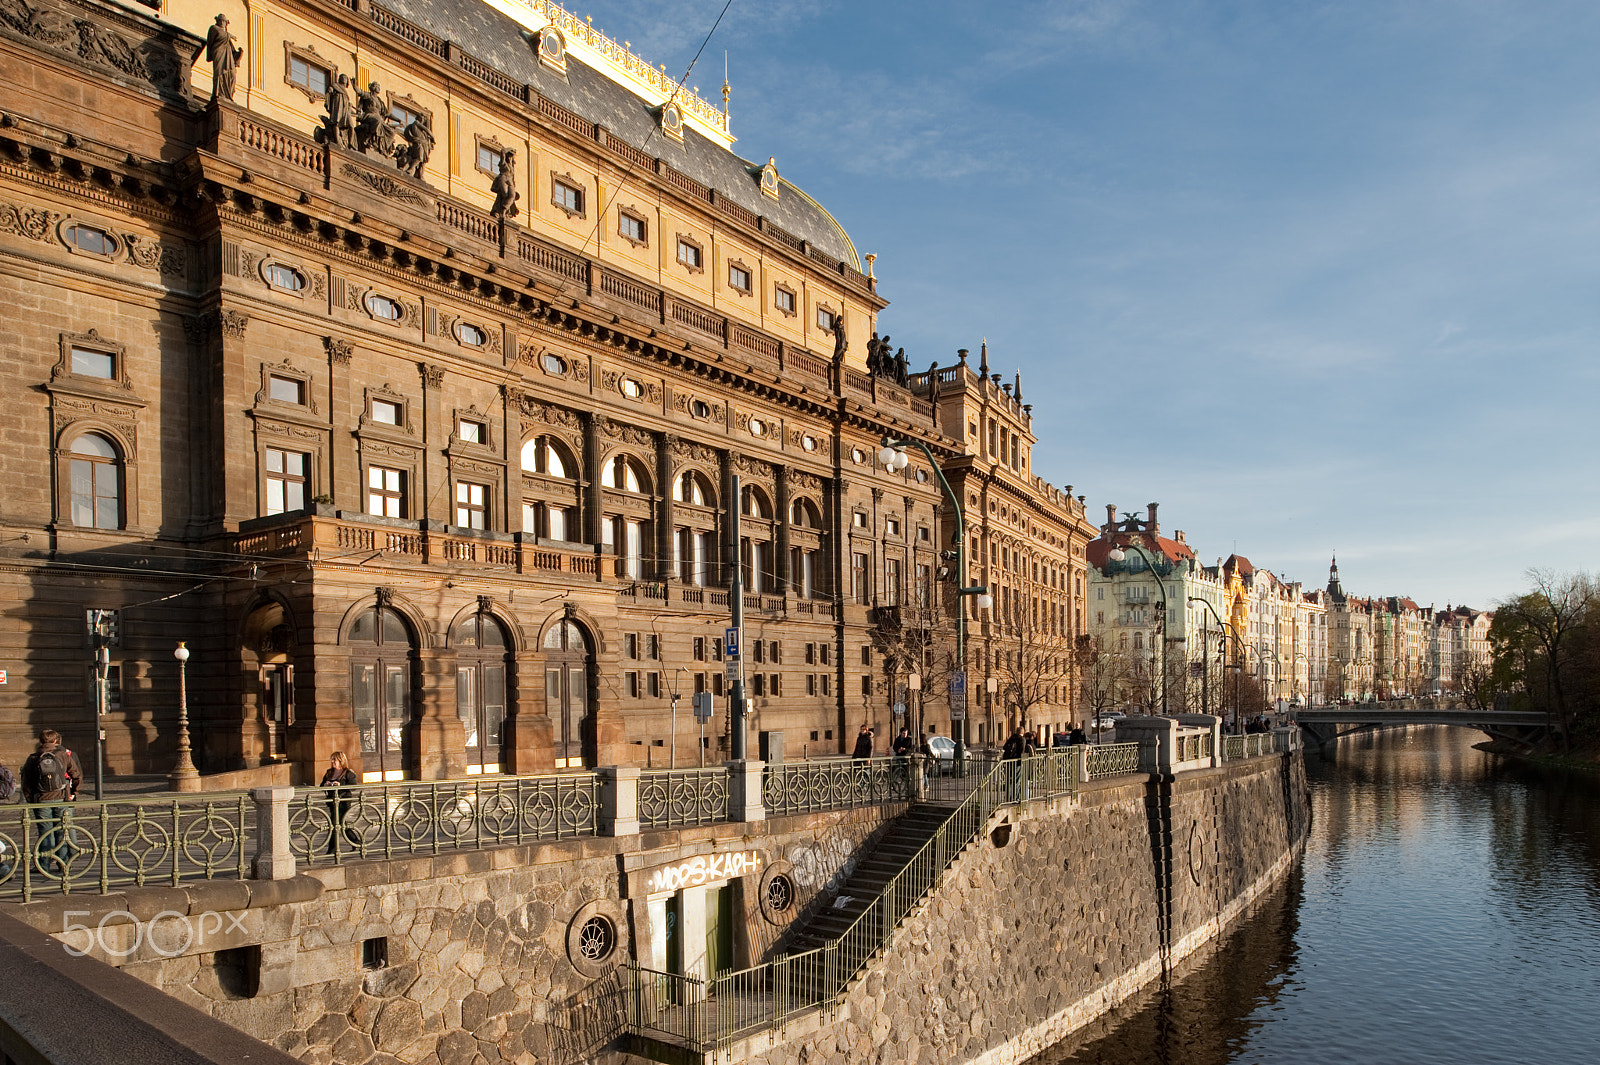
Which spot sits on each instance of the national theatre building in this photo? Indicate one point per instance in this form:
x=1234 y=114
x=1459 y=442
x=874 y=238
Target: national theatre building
x=401 y=360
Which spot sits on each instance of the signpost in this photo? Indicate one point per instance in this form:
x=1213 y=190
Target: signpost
x=702 y=714
x=104 y=633
x=958 y=696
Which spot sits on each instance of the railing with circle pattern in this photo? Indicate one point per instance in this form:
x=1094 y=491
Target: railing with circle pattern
x=670 y=798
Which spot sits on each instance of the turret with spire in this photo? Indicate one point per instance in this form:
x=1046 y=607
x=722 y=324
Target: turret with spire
x=1335 y=592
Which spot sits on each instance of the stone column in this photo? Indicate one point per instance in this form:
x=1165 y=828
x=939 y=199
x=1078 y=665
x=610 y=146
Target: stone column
x=1206 y=721
x=745 y=799
x=1080 y=764
x=274 y=860
x=780 y=566
x=619 y=800
x=590 y=463
x=921 y=766
x=1157 y=732
x=664 y=531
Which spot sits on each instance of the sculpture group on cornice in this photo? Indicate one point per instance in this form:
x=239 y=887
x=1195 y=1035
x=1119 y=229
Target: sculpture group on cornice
x=881 y=363
x=368 y=126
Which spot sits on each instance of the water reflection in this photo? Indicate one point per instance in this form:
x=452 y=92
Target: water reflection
x=1448 y=911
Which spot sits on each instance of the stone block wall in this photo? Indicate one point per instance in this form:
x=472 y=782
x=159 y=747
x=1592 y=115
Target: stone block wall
x=478 y=948
x=1065 y=909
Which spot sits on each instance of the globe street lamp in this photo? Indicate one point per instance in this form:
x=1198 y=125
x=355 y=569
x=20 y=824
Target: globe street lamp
x=1117 y=554
x=894 y=459
x=184 y=776
x=1226 y=627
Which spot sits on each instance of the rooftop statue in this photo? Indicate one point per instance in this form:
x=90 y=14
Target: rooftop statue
x=222 y=49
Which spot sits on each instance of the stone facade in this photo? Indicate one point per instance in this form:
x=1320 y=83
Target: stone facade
x=479 y=959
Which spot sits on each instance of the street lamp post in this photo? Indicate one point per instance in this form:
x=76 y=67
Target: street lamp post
x=184 y=776
x=1226 y=627
x=1117 y=554
x=894 y=458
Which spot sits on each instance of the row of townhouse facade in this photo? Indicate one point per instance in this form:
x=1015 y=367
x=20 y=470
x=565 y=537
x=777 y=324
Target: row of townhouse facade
x=432 y=393
x=1172 y=634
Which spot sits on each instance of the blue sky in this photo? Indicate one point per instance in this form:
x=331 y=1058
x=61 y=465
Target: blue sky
x=1316 y=276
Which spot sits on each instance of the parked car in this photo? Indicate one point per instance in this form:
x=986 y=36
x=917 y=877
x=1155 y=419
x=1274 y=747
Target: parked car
x=944 y=749
x=1107 y=719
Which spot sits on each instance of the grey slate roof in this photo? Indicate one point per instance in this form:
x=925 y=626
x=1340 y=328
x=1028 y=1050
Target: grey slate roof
x=507 y=46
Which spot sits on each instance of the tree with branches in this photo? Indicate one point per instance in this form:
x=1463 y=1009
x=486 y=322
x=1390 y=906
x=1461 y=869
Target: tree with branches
x=1544 y=646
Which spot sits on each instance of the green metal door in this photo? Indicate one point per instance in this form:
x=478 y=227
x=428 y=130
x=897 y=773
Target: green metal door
x=719 y=930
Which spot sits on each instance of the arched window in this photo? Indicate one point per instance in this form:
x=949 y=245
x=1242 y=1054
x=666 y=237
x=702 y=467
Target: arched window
x=551 y=509
x=755 y=545
x=805 y=514
x=96 y=479
x=753 y=502
x=694 y=539
x=624 y=474
x=692 y=487
x=481 y=658
x=566 y=694
x=380 y=674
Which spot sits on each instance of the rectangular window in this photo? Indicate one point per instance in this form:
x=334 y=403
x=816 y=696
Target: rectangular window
x=827 y=684
x=774 y=654
x=630 y=645
x=866 y=684
x=91 y=363
x=891 y=527
x=310 y=77
x=472 y=505
x=472 y=432
x=866 y=654
x=738 y=278
x=892 y=582
x=403 y=116
x=716 y=684
x=824 y=320
x=567 y=197
x=489 y=159
x=630 y=684
x=385 y=412
x=758 y=650
x=775 y=684
x=286 y=480
x=758 y=682
x=811 y=654
x=286 y=390
x=825 y=653
x=860 y=591
x=690 y=255
x=783 y=299
x=858 y=519
x=386 y=492
x=653 y=685
x=811 y=684
x=699 y=649
x=631 y=227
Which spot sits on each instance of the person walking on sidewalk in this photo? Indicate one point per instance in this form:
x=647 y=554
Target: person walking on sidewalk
x=338 y=778
x=863 y=743
x=50 y=779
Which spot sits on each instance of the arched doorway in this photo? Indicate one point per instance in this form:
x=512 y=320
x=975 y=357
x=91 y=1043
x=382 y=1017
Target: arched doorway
x=567 y=657
x=481 y=654
x=381 y=652
x=269 y=636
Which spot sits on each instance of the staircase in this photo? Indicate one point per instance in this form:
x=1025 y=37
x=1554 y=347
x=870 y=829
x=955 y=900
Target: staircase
x=904 y=840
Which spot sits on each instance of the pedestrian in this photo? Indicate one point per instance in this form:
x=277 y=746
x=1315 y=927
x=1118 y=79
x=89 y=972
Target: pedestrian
x=1015 y=745
x=339 y=777
x=1078 y=737
x=50 y=779
x=903 y=744
x=863 y=743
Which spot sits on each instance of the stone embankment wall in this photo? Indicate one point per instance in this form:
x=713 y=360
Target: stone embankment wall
x=1065 y=910
x=480 y=954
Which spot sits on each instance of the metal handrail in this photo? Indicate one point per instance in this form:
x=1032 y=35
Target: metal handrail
x=669 y=798
x=1113 y=759
x=807 y=787
x=70 y=846
x=381 y=820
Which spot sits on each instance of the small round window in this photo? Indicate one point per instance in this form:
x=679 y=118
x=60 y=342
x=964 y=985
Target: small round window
x=809 y=443
x=553 y=363
x=89 y=239
x=471 y=335
x=631 y=388
x=597 y=939
x=552 y=45
x=858 y=456
x=758 y=427
x=780 y=894
x=700 y=409
x=285 y=277
x=922 y=476
x=386 y=308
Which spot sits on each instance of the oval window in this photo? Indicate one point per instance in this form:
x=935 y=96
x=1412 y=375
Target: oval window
x=758 y=427
x=285 y=277
x=922 y=476
x=809 y=443
x=552 y=44
x=631 y=388
x=553 y=363
x=471 y=335
x=92 y=240
x=858 y=456
x=384 y=307
x=700 y=409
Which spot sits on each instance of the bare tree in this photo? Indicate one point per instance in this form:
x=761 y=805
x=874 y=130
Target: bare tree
x=1036 y=666
x=1533 y=635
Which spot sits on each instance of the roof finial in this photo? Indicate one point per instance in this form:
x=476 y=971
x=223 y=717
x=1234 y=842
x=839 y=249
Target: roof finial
x=726 y=91
x=983 y=358
x=1018 y=389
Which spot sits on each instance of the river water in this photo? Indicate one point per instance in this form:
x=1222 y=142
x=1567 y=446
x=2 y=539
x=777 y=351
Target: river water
x=1447 y=911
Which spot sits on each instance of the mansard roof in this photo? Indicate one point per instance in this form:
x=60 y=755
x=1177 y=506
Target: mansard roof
x=507 y=46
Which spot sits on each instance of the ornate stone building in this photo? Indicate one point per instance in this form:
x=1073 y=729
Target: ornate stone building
x=402 y=360
x=1025 y=541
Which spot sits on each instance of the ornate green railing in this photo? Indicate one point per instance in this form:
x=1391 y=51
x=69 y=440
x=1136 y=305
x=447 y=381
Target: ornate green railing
x=670 y=798
x=333 y=825
x=804 y=787
x=98 y=846
x=1113 y=759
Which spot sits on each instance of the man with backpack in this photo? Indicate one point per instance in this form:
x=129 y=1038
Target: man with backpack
x=51 y=777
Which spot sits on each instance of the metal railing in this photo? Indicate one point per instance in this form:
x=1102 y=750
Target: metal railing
x=804 y=787
x=1114 y=759
x=333 y=825
x=98 y=846
x=669 y=798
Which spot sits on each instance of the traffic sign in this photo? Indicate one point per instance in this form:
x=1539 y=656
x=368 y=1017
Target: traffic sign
x=702 y=707
x=899 y=709
x=730 y=642
x=958 y=696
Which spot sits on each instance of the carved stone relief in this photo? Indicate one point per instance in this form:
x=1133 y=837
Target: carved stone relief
x=83 y=39
x=35 y=223
x=338 y=350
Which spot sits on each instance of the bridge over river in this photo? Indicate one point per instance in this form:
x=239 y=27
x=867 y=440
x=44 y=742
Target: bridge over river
x=1328 y=723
